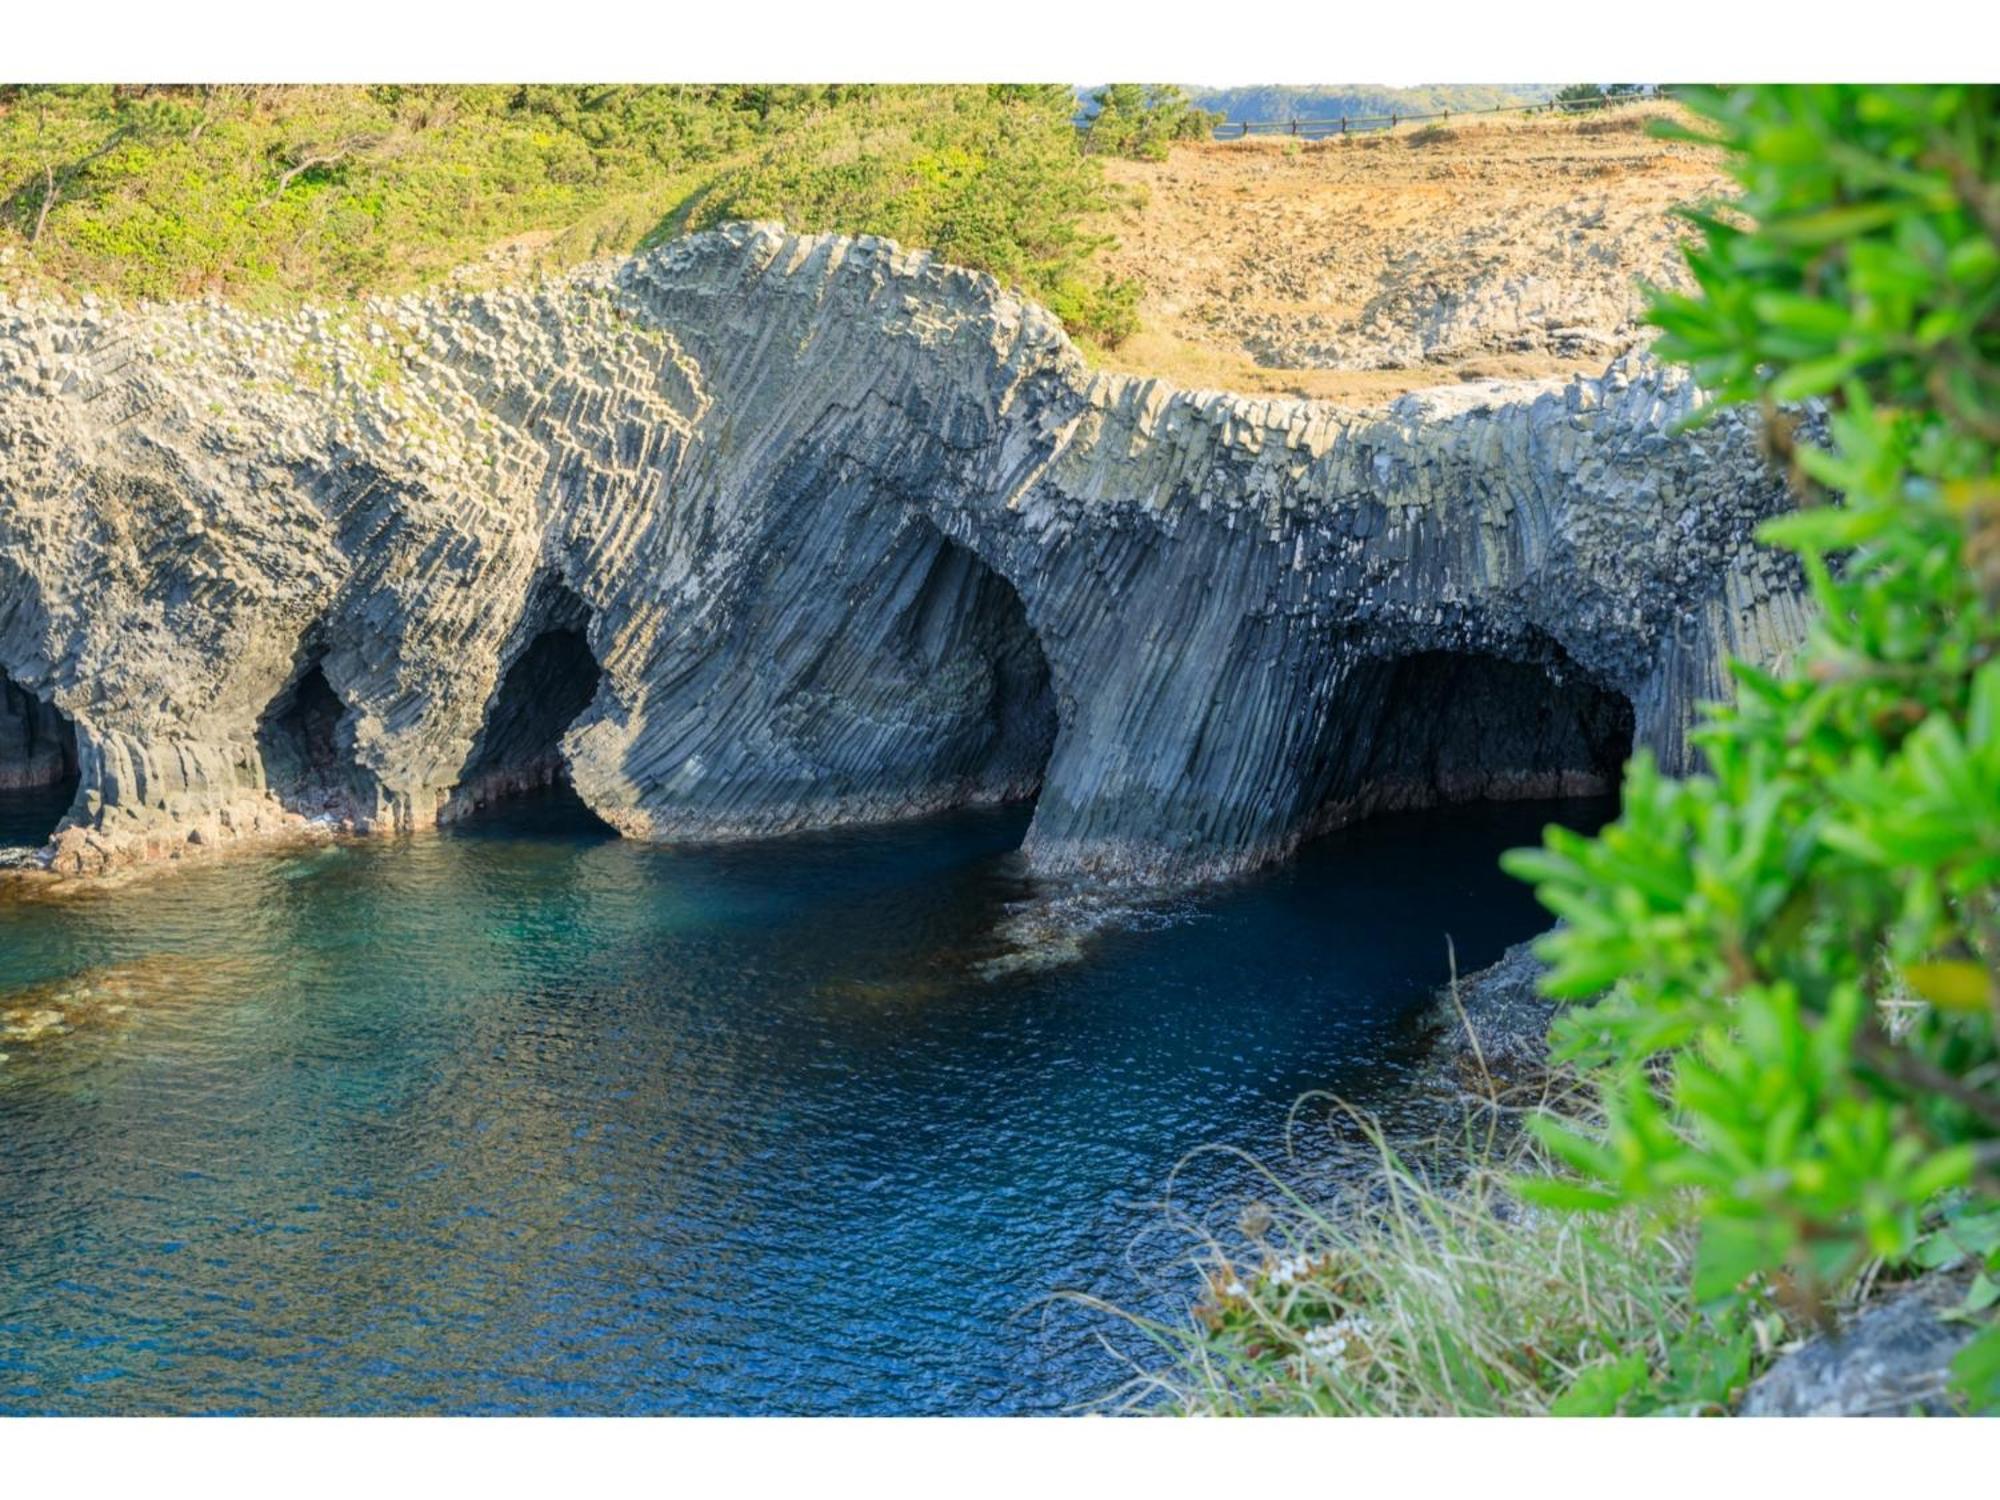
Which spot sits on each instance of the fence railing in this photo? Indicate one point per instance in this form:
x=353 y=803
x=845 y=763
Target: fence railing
x=1329 y=125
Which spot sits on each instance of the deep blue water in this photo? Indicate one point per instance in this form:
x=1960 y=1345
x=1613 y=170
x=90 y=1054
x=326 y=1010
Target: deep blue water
x=527 y=1119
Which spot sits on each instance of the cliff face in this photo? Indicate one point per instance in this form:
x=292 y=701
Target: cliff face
x=762 y=532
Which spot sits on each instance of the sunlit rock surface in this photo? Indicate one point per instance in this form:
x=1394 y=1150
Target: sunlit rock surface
x=761 y=532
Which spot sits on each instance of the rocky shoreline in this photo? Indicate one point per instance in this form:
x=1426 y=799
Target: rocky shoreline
x=836 y=533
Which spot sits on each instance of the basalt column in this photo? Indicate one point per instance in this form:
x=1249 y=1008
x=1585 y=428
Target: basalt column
x=878 y=672
x=861 y=536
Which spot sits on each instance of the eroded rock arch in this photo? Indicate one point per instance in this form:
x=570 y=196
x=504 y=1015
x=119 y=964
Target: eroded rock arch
x=836 y=510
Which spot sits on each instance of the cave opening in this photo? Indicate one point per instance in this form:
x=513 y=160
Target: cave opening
x=305 y=765
x=985 y=677
x=38 y=765
x=543 y=691
x=1438 y=727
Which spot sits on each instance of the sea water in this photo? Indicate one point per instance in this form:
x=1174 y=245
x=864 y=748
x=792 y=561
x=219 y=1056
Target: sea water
x=524 y=1118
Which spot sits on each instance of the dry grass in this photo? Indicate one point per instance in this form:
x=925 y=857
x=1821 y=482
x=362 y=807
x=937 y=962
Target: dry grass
x=1432 y=1291
x=1277 y=266
x=1431 y=135
x=1426 y=1286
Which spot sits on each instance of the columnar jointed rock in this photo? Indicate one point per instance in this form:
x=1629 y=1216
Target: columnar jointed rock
x=849 y=534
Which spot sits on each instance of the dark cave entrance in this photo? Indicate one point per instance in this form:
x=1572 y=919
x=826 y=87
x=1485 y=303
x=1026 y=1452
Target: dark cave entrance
x=305 y=765
x=994 y=698
x=543 y=691
x=38 y=765
x=1445 y=726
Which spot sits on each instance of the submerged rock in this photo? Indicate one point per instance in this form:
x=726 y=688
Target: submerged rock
x=761 y=532
x=28 y=1024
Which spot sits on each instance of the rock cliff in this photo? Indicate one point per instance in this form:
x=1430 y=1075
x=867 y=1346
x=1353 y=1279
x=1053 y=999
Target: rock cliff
x=760 y=532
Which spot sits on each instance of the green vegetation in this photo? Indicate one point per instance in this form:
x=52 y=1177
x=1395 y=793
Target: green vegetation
x=1794 y=957
x=1781 y=1082
x=265 y=194
x=1583 y=95
x=992 y=178
x=1412 y=1296
x=1143 y=119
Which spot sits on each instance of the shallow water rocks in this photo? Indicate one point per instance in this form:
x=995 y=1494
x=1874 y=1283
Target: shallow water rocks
x=847 y=534
x=1492 y=1031
x=31 y=1024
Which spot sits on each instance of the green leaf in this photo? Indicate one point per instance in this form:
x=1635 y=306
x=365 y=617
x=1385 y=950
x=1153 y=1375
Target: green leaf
x=1975 y=1372
x=1732 y=1250
x=1952 y=984
x=1560 y=1192
x=1973 y=261
x=1826 y=226
x=1813 y=377
x=1601 y=1390
x=1806 y=315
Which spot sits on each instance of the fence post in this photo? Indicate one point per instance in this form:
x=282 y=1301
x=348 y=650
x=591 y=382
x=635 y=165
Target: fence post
x=1343 y=124
x=1295 y=125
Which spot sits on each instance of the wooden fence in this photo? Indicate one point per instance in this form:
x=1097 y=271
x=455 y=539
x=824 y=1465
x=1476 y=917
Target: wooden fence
x=1320 y=129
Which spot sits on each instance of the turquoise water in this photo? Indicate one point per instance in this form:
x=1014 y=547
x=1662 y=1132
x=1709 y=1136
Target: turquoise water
x=527 y=1119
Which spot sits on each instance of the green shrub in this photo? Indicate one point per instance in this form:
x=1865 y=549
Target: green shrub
x=989 y=178
x=1142 y=120
x=266 y=194
x=1793 y=958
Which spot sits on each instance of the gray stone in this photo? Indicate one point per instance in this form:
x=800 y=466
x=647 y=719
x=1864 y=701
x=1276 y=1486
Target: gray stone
x=849 y=534
x=1892 y=1360
x=1496 y=1020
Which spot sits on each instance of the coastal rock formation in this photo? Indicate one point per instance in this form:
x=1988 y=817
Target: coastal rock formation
x=1490 y=1032
x=759 y=532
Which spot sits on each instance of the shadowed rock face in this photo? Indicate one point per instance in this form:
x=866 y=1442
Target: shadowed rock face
x=303 y=741
x=37 y=742
x=547 y=686
x=760 y=532
x=1444 y=726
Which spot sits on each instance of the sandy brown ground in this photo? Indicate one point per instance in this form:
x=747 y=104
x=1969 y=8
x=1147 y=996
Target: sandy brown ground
x=1356 y=270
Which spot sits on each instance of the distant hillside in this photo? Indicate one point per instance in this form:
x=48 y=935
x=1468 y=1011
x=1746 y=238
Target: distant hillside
x=1274 y=101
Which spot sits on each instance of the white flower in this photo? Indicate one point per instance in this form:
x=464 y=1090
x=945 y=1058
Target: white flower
x=1336 y=1340
x=1292 y=1268
x=1327 y=1342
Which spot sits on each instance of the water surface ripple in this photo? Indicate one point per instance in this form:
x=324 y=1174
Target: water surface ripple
x=526 y=1119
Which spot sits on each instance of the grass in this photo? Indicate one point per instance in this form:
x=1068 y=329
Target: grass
x=1427 y=1286
x=269 y=195
x=1405 y=1295
x=1432 y=135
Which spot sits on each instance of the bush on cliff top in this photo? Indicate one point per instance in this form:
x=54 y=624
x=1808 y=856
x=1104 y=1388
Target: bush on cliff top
x=1794 y=959
x=270 y=193
x=990 y=178
x=1142 y=120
